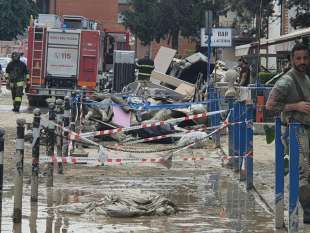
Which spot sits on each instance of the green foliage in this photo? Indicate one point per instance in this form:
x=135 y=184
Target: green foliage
x=14 y=17
x=270 y=133
x=184 y=17
x=247 y=10
x=302 y=18
x=167 y=19
x=265 y=76
x=142 y=18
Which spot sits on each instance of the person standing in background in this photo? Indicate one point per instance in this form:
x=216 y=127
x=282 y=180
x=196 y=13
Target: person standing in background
x=244 y=77
x=145 y=67
x=16 y=75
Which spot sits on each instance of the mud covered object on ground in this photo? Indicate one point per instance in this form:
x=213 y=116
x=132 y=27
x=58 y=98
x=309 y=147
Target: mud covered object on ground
x=126 y=204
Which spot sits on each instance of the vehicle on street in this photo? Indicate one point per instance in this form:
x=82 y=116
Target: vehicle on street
x=63 y=59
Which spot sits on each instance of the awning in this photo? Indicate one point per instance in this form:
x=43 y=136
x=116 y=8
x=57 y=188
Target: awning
x=242 y=50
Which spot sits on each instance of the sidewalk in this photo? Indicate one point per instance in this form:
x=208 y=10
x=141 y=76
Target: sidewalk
x=264 y=177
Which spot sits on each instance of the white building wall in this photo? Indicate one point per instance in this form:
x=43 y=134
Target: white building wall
x=273 y=32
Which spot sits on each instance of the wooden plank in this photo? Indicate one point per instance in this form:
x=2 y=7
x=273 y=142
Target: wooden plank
x=163 y=59
x=175 y=82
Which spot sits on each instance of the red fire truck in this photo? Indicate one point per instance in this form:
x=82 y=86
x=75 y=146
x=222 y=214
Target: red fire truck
x=65 y=56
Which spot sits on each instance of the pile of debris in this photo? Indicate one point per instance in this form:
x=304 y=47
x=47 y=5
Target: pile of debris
x=170 y=93
x=130 y=203
x=174 y=91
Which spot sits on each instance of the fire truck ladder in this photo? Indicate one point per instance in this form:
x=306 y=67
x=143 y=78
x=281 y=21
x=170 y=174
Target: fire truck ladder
x=37 y=56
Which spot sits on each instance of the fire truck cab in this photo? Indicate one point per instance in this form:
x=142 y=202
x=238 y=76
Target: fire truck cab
x=63 y=56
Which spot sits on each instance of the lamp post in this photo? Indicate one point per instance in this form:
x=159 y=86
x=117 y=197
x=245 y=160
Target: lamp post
x=259 y=22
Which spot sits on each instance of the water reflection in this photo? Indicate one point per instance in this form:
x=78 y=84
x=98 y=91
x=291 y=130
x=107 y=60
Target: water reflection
x=17 y=227
x=33 y=217
x=50 y=211
x=208 y=203
x=61 y=224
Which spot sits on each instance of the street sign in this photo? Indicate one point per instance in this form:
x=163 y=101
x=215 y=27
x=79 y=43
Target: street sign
x=221 y=37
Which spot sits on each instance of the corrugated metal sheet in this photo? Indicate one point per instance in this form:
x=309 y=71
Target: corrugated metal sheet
x=124 y=69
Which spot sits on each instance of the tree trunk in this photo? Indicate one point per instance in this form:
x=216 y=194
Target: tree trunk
x=175 y=40
x=52 y=6
x=43 y=6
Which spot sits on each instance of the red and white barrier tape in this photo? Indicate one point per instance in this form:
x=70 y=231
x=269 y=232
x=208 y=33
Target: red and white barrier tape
x=83 y=160
x=195 y=129
x=248 y=154
x=224 y=125
x=86 y=160
x=149 y=139
x=150 y=125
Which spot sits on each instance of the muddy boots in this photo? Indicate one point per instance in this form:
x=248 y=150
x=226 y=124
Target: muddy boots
x=304 y=198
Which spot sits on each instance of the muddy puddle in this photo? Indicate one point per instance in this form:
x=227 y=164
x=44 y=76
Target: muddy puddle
x=209 y=197
x=209 y=200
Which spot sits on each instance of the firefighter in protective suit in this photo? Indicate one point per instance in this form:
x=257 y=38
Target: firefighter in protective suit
x=145 y=67
x=16 y=75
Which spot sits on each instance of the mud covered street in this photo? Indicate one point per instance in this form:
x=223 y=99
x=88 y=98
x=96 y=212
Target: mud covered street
x=209 y=197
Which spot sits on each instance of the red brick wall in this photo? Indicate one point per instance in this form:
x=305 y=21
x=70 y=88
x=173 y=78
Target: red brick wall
x=186 y=47
x=105 y=12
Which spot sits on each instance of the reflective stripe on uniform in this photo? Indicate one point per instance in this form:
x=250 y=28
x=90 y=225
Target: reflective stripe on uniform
x=18 y=99
x=148 y=66
x=20 y=84
x=144 y=74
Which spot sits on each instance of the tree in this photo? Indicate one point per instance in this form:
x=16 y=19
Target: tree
x=141 y=19
x=247 y=10
x=302 y=18
x=180 y=17
x=15 y=16
x=167 y=19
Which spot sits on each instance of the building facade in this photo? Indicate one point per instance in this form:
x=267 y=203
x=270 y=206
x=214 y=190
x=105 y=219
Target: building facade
x=104 y=12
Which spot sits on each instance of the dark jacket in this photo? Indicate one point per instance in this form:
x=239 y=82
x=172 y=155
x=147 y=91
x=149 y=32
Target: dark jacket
x=17 y=71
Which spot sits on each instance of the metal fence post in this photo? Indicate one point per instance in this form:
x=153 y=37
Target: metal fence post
x=230 y=127
x=242 y=141
x=59 y=131
x=249 y=146
x=73 y=120
x=214 y=106
x=236 y=162
x=83 y=101
x=79 y=112
x=293 y=178
x=66 y=121
x=35 y=154
x=2 y=133
x=217 y=117
x=19 y=170
x=50 y=144
x=279 y=179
